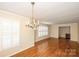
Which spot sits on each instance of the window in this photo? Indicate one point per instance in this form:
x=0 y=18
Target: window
x=9 y=34
x=42 y=30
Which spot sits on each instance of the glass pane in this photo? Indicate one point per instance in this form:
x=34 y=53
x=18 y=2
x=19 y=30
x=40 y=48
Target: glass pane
x=42 y=31
x=9 y=34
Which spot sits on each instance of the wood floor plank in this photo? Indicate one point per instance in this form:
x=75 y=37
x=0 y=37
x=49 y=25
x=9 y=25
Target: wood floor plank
x=51 y=47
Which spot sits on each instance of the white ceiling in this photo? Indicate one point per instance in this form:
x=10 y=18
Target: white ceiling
x=55 y=12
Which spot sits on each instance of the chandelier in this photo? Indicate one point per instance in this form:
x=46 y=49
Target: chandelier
x=32 y=22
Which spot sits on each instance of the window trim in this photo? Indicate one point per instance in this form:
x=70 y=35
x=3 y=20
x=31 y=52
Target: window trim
x=47 y=30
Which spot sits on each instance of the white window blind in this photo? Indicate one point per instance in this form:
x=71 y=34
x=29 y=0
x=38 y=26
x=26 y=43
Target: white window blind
x=9 y=34
x=42 y=30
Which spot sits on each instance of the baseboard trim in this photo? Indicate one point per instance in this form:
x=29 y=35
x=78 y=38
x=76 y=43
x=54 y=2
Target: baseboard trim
x=20 y=51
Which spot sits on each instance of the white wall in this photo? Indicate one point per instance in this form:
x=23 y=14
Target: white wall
x=26 y=34
x=54 y=31
x=74 y=30
x=78 y=32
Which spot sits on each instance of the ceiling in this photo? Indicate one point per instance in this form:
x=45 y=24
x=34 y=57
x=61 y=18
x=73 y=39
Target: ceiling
x=55 y=12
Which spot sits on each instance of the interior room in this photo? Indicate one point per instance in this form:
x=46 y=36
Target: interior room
x=64 y=32
x=39 y=29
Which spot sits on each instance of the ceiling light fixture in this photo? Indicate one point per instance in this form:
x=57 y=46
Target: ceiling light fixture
x=33 y=23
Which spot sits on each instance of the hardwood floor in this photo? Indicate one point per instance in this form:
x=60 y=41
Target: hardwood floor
x=51 y=48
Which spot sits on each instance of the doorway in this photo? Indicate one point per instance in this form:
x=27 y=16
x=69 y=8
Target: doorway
x=64 y=32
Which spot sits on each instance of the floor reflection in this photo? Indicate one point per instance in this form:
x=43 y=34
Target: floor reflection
x=52 y=47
